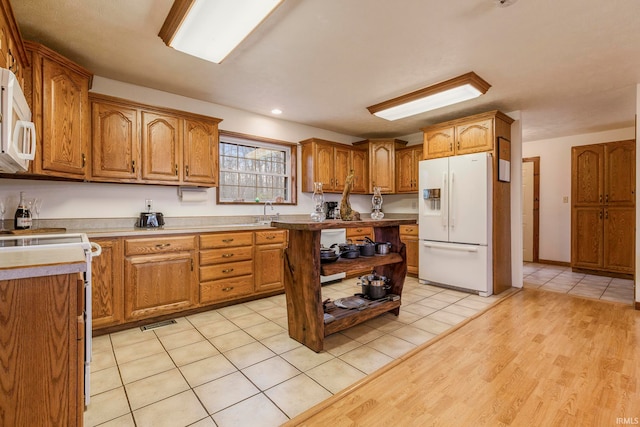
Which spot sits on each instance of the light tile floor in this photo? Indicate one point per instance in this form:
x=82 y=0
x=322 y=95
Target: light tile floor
x=562 y=279
x=237 y=366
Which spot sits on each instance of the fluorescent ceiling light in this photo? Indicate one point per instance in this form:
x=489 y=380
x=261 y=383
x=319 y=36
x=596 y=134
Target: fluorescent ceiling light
x=211 y=29
x=458 y=89
x=276 y=111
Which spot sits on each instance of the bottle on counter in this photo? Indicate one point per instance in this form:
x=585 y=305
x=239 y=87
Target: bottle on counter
x=22 y=219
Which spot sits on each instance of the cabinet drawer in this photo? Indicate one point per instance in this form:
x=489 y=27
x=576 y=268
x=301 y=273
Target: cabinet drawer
x=221 y=271
x=359 y=232
x=409 y=230
x=224 y=255
x=269 y=237
x=224 y=289
x=226 y=240
x=156 y=245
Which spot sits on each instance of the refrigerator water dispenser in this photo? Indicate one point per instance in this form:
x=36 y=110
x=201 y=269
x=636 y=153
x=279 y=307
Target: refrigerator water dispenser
x=432 y=197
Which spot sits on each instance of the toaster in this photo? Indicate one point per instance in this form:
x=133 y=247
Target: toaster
x=150 y=220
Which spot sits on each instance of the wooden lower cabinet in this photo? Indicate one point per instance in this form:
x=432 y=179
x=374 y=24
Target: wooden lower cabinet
x=42 y=351
x=107 y=295
x=268 y=260
x=162 y=282
x=409 y=236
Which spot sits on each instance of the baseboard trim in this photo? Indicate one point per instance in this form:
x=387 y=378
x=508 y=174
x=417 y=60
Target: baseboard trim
x=637 y=305
x=551 y=262
x=603 y=273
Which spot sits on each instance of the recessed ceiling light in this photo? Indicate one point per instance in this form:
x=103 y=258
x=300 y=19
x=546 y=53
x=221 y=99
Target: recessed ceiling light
x=276 y=111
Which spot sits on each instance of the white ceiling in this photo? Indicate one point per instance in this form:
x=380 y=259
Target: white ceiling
x=570 y=66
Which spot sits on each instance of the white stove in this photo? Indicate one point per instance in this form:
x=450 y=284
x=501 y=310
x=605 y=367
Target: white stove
x=32 y=255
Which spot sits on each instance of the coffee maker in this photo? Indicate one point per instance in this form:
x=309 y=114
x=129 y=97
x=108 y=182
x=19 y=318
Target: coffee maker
x=331 y=210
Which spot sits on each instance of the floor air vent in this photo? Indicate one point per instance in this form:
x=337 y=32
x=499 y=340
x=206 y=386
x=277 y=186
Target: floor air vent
x=157 y=325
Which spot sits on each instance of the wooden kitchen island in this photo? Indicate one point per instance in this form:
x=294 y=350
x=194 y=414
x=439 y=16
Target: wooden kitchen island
x=305 y=312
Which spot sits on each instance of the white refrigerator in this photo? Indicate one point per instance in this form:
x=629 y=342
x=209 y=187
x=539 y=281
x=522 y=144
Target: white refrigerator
x=455 y=210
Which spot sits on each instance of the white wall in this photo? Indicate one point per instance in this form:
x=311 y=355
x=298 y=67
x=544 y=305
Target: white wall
x=516 y=200
x=99 y=200
x=555 y=184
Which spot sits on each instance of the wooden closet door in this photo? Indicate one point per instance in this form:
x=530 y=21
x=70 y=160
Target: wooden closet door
x=620 y=177
x=587 y=168
x=587 y=249
x=619 y=239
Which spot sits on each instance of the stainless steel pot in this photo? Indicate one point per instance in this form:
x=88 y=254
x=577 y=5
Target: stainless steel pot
x=381 y=248
x=374 y=286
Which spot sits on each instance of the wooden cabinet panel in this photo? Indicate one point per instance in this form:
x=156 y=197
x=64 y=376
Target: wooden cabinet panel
x=439 y=142
x=360 y=167
x=409 y=236
x=587 y=240
x=603 y=185
x=221 y=271
x=407 y=160
x=619 y=239
x=161 y=142
x=115 y=141
x=161 y=244
x=107 y=284
x=42 y=351
x=200 y=153
x=382 y=166
x=226 y=240
x=474 y=137
x=620 y=177
x=225 y=289
x=224 y=255
x=341 y=167
x=330 y=163
x=159 y=284
x=269 y=267
x=587 y=175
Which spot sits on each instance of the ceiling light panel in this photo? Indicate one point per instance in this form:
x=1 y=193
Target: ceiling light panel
x=211 y=29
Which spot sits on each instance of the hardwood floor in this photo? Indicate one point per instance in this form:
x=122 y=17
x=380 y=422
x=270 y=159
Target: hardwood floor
x=536 y=358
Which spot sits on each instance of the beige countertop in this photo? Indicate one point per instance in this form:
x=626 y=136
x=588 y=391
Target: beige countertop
x=35 y=261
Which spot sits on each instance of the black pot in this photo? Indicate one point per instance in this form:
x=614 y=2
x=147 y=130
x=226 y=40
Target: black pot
x=367 y=249
x=350 y=254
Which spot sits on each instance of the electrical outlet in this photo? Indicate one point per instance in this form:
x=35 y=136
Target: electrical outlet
x=148 y=204
x=565 y=199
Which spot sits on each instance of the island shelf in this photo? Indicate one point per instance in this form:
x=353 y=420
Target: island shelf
x=305 y=311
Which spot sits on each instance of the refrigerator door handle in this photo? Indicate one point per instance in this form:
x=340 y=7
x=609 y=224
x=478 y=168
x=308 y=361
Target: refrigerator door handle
x=444 y=203
x=452 y=216
x=450 y=247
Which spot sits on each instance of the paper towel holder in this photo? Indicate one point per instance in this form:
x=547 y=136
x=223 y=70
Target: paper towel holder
x=192 y=194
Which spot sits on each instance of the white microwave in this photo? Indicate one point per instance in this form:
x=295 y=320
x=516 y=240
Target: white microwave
x=17 y=131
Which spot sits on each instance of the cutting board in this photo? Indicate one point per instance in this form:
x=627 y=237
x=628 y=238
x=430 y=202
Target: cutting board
x=34 y=231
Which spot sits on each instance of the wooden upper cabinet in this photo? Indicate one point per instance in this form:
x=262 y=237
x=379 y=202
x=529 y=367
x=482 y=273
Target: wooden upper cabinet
x=467 y=135
x=587 y=175
x=360 y=167
x=341 y=167
x=160 y=147
x=330 y=163
x=474 y=137
x=200 y=152
x=620 y=178
x=138 y=143
x=60 y=109
x=382 y=162
x=407 y=160
x=13 y=55
x=115 y=141
x=439 y=142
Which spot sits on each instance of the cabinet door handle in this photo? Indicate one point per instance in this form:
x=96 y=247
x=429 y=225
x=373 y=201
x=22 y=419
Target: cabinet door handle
x=606 y=214
x=600 y=216
x=84 y=159
x=606 y=198
x=186 y=170
x=450 y=146
x=600 y=198
x=458 y=145
x=227 y=289
x=227 y=270
x=227 y=240
x=176 y=169
x=133 y=166
x=227 y=255
x=270 y=237
x=163 y=245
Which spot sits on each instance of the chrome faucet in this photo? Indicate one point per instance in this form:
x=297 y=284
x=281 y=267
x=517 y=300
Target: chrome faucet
x=264 y=211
